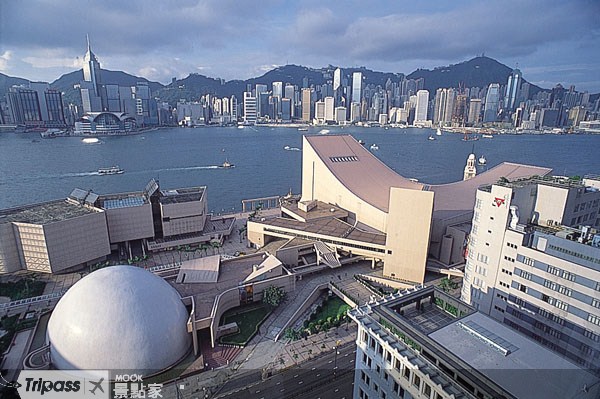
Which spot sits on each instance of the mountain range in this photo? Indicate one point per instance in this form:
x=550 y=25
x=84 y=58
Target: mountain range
x=477 y=72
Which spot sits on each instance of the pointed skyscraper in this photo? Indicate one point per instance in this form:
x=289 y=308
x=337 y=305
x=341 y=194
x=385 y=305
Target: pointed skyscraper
x=90 y=88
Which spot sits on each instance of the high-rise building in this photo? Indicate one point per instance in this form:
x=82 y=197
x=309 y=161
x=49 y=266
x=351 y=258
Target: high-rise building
x=474 y=111
x=278 y=90
x=290 y=93
x=421 y=106
x=356 y=87
x=306 y=105
x=355 y=112
x=534 y=262
x=36 y=105
x=512 y=90
x=444 y=106
x=249 y=108
x=329 y=109
x=91 y=90
x=492 y=100
x=262 y=101
x=337 y=79
x=340 y=115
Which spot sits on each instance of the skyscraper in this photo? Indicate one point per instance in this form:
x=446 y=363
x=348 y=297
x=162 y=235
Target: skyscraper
x=421 y=106
x=512 y=90
x=306 y=105
x=278 y=90
x=444 y=105
x=356 y=87
x=90 y=87
x=474 y=111
x=492 y=100
x=249 y=108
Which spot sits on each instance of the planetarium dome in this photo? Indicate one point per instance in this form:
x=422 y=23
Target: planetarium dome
x=120 y=318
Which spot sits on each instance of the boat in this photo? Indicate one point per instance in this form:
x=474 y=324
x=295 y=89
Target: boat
x=324 y=131
x=361 y=142
x=487 y=136
x=374 y=147
x=431 y=137
x=482 y=161
x=303 y=129
x=113 y=170
x=89 y=140
x=227 y=165
x=469 y=138
x=438 y=132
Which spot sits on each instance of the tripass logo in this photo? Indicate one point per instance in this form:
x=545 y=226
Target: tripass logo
x=73 y=384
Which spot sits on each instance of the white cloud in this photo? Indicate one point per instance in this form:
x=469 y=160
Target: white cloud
x=4 y=60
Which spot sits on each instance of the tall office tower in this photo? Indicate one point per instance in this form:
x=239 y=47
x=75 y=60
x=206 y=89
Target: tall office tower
x=306 y=105
x=286 y=109
x=320 y=111
x=329 y=109
x=534 y=262
x=355 y=112
x=356 y=87
x=340 y=115
x=290 y=93
x=338 y=89
x=262 y=103
x=249 y=108
x=278 y=90
x=459 y=111
x=421 y=106
x=444 y=106
x=492 y=100
x=90 y=88
x=512 y=90
x=474 y=111
x=233 y=108
x=470 y=168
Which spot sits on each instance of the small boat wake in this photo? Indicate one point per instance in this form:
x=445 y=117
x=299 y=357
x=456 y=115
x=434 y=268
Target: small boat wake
x=288 y=148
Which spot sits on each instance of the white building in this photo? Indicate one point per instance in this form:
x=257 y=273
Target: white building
x=427 y=344
x=329 y=109
x=534 y=262
x=356 y=87
x=250 y=110
x=421 y=106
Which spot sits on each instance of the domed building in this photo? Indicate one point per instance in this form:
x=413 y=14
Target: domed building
x=119 y=318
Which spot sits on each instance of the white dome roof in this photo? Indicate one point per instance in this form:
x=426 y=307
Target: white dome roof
x=119 y=318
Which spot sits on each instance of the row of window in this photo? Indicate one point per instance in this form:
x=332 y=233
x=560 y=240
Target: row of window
x=561 y=273
x=555 y=302
x=575 y=254
x=558 y=288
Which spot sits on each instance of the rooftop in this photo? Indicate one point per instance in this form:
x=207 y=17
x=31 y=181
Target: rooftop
x=370 y=179
x=482 y=350
x=122 y=200
x=328 y=227
x=554 y=181
x=182 y=195
x=48 y=212
x=321 y=210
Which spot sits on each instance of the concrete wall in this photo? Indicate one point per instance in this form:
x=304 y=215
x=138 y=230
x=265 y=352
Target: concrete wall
x=550 y=204
x=183 y=217
x=408 y=234
x=319 y=183
x=9 y=252
x=128 y=224
x=32 y=247
x=76 y=241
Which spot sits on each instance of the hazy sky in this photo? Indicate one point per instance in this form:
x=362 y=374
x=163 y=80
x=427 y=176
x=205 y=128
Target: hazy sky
x=552 y=41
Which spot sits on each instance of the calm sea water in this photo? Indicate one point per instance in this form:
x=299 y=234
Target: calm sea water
x=49 y=169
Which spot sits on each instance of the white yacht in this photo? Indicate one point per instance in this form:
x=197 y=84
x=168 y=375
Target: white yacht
x=113 y=170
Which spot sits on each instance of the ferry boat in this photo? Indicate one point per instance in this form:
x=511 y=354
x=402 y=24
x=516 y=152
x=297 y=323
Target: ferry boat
x=482 y=161
x=113 y=170
x=303 y=129
x=374 y=147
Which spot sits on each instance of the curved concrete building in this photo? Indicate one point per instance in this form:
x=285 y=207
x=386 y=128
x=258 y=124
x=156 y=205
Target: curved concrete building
x=410 y=219
x=119 y=318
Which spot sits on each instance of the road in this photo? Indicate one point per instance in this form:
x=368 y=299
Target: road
x=326 y=376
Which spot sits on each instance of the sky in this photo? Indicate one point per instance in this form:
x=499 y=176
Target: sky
x=550 y=41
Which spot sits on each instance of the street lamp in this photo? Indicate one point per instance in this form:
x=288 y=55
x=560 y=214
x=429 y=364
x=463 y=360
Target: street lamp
x=337 y=344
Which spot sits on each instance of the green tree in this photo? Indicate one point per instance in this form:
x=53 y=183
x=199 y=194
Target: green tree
x=273 y=295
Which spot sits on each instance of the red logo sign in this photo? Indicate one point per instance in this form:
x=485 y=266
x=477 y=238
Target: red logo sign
x=499 y=201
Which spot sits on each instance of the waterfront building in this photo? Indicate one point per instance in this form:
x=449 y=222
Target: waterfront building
x=278 y=90
x=534 y=262
x=320 y=112
x=306 y=104
x=549 y=117
x=474 y=111
x=286 y=110
x=355 y=112
x=105 y=123
x=36 y=105
x=492 y=100
x=249 y=108
x=290 y=93
x=425 y=343
x=421 y=106
x=66 y=235
x=329 y=109
x=357 y=87
x=340 y=115
x=444 y=106
x=512 y=90
x=352 y=204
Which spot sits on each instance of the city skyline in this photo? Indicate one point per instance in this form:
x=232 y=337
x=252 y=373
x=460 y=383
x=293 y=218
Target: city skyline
x=234 y=40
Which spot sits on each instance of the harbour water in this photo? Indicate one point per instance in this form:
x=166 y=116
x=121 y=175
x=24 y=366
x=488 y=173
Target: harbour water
x=266 y=159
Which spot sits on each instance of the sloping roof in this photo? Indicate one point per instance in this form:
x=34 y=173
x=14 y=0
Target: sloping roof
x=370 y=179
